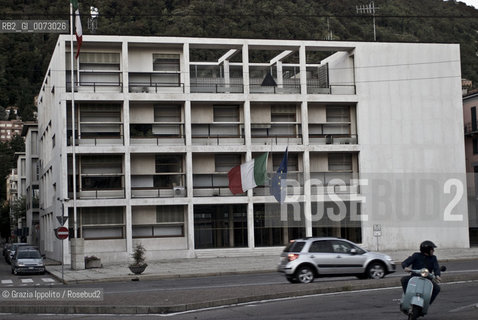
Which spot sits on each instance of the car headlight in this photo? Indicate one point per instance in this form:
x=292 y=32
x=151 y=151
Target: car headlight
x=424 y=272
x=20 y=264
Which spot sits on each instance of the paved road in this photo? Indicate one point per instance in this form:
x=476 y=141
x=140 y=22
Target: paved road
x=7 y=279
x=457 y=301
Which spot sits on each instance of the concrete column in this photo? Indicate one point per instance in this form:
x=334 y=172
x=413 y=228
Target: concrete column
x=245 y=68
x=77 y=253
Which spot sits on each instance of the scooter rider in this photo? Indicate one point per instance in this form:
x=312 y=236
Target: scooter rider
x=423 y=259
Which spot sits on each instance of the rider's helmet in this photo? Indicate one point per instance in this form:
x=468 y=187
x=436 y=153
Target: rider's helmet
x=426 y=246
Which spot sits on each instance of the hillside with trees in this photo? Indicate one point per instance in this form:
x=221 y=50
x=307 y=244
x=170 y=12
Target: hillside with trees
x=24 y=57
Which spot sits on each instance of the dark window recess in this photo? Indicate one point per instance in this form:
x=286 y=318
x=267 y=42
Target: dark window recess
x=475 y=145
x=473 y=118
x=95 y=183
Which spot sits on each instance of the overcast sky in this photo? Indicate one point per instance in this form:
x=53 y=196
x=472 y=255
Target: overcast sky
x=473 y=3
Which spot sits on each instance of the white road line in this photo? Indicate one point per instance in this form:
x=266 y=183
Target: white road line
x=7 y=281
x=48 y=280
x=27 y=280
x=471 y=306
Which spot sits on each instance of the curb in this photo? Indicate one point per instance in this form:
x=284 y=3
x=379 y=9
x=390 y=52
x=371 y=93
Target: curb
x=140 y=277
x=297 y=291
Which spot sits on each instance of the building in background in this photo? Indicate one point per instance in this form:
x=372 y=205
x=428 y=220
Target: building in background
x=10 y=128
x=373 y=130
x=470 y=104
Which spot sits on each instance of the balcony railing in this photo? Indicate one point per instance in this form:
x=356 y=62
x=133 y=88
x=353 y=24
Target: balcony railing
x=100 y=133
x=151 y=192
x=290 y=87
x=211 y=185
x=315 y=87
x=148 y=82
x=101 y=186
x=216 y=85
x=171 y=133
x=96 y=81
x=226 y=133
x=470 y=128
x=276 y=133
x=334 y=182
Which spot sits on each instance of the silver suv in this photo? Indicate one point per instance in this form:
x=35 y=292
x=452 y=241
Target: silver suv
x=305 y=259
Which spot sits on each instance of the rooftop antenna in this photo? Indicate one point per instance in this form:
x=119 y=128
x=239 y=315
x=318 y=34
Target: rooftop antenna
x=369 y=9
x=93 y=19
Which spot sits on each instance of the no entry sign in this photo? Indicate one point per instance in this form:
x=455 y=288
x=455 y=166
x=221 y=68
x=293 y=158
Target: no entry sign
x=62 y=233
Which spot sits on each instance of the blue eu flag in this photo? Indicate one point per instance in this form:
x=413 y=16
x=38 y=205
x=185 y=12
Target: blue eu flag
x=278 y=182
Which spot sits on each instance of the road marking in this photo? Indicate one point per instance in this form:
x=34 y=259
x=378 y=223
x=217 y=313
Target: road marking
x=48 y=280
x=7 y=281
x=27 y=280
x=471 y=306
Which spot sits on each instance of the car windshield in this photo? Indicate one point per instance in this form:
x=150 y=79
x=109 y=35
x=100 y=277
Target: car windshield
x=30 y=254
x=295 y=246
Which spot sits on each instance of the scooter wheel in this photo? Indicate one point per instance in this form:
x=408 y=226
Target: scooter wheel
x=415 y=313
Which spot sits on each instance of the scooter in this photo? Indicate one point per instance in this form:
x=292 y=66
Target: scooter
x=416 y=300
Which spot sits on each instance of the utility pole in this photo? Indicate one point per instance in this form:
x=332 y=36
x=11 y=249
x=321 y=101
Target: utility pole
x=369 y=9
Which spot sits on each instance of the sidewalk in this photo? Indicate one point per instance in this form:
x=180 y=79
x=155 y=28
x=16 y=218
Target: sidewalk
x=212 y=266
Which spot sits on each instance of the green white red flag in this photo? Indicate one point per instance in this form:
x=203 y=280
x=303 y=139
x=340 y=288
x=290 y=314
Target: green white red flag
x=248 y=175
x=78 y=29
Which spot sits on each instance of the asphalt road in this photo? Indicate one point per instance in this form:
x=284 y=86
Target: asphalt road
x=456 y=301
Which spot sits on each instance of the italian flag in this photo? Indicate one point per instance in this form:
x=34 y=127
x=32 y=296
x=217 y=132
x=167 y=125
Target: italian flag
x=248 y=175
x=79 y=30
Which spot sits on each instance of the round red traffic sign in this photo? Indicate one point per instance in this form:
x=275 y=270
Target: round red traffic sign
x=62 y=233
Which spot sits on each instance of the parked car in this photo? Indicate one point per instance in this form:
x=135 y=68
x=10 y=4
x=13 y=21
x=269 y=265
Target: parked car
x=13 y=249
x=27 y=260
x=305 y=259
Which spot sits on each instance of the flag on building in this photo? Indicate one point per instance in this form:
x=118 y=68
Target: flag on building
x=78 y=29
x=278 y=182
x=248 y=175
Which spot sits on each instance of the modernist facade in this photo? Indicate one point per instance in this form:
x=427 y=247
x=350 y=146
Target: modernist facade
x=158 y=122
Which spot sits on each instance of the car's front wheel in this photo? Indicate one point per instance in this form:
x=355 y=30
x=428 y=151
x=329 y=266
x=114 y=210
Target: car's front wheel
x=305 y=274
x=375 y=270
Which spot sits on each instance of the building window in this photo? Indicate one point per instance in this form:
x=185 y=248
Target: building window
x=100 y=120
x=283 y=113
x=101 y=222
x=338 y=113
x=226 y=114
x=220 y=226
x=475 y=145
x=167 y=113
x=101 y=172
x=270 y=230
x=225 y=162
x=169 y=171
x=340 y=162
x=166 y=62
x=169 y=223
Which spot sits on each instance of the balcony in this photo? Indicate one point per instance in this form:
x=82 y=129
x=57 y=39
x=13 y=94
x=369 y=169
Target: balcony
x=223 y=133
x=289 y=86
x=211 y=185
x=100 y=186
x=331 y=133
x=316 y=87
x=96 y=81
x=164 y=133
x=216 y=85
x=160 y=185
x=276 y=133
x=470 y=128
x=334 y=183
x=295 y=185
x=155 y=82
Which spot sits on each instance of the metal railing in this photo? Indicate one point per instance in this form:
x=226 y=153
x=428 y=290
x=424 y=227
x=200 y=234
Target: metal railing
x=218 y=133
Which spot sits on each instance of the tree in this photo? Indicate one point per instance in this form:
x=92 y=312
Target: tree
x=3 y=113
x=19 y=209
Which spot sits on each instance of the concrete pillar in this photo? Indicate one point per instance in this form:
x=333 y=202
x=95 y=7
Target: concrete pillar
x=77 y=253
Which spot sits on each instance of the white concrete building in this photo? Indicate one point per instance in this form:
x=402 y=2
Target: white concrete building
x=374 y=133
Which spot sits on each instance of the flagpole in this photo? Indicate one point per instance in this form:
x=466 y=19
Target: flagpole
x=73 y=143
